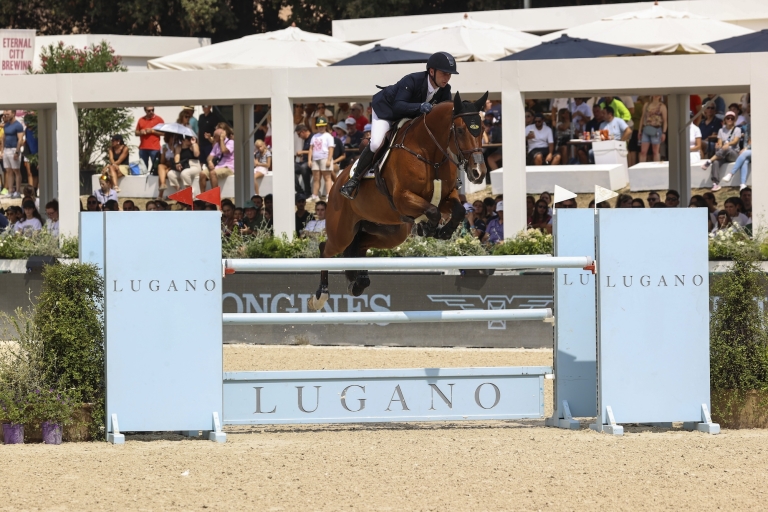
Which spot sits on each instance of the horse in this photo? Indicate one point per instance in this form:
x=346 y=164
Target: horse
x=421 y=154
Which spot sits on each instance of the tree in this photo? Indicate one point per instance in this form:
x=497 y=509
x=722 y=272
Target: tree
x=95 y=126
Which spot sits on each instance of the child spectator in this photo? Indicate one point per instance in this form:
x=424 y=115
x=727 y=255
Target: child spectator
x=734 y=207
x=105 y=193
x=496 y=225
x=262 y=163
x=31 y=221
x=321 y=157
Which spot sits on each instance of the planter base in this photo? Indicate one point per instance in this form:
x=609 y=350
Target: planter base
x=13 y=433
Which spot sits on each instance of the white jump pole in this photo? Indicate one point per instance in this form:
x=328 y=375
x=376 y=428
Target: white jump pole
x=432 y=263
x=390 y=317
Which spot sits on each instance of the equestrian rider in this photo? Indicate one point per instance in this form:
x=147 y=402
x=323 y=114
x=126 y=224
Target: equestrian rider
x=414 y=94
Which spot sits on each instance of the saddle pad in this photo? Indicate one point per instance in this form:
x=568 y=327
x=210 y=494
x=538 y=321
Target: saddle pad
x=371 y=172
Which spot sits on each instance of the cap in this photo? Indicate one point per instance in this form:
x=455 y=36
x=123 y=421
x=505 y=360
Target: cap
x=367 y=127
x=538 y=115
x=351 y=120
x=731 y=113
x=321 y=121
x=341 y=126
x=300 y=197
x=189 y=108
x=249 y=204
x=500 y=206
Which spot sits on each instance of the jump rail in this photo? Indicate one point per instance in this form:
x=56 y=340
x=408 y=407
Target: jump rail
x=431 y=263
x=389 y=317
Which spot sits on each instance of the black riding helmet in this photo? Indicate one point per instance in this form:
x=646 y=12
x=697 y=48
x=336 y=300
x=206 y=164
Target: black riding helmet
x=442 y=61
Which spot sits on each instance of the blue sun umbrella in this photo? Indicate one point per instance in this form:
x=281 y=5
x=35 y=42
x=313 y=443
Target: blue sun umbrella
x=383 y=55
x=566 y=47
x=749 y=43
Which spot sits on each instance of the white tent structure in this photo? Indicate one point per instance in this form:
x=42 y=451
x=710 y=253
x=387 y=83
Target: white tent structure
x=287 y=48
x=466 y=40
x=657 y=30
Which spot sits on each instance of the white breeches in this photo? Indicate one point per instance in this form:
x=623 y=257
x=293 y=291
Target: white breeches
x=379 y=130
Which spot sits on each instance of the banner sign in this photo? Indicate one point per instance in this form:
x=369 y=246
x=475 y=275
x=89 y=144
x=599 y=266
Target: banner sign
x=18 y=51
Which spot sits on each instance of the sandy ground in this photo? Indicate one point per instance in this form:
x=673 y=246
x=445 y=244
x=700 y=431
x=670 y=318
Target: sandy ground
x=425 y=466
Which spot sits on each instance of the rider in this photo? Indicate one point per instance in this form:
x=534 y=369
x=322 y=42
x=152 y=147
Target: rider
x=414 y=94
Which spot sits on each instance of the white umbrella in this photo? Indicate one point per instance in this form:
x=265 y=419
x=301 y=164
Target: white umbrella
x=287 y=48
x=466 y=40
x=657 y=30
x=177 y=128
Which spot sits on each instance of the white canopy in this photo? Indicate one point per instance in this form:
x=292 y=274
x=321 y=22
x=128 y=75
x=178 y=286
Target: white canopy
x=657 y=30
x=466 y=40
x=287 y=48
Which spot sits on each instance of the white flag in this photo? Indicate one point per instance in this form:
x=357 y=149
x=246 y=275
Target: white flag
x=603 y=194
x=562 y=194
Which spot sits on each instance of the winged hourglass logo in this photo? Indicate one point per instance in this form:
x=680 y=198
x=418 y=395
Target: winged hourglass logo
x=473 y=301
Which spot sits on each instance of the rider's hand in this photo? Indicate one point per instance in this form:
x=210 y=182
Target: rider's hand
x=425 y=108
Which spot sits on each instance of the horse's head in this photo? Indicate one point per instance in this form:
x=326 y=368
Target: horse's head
x=468 y=131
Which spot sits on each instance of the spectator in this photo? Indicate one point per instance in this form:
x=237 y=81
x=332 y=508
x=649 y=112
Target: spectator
x=558 y=104
x=653 y=198
x=530 y=206
x=105 y=193
x=14 y=140
x=633 y=146
x=3 y=221
x=321 y=157
x=563 y=134
x=659 y=205
x=166 y=163
x=228 y=222
x=301 y=169
x=601 y=204
x=354 y=136
x=128 y=206
x=568 y=203
x=262 y=163
x=118 y=161
x=624 y=201
x=111 y=206
x=188 y=115
x=252 y=219
x=718 y=103
x=356 y=112
x=152 y=206
x=711 y=202
x=52 y=212
x=366 y=136
x=742 y=165
x=672 y=200
x=302 y=215
x=473 y=223
x=547 y=198
x=727 y=149
x=149 y=145
x=492 y=135
x=582 y=114
x=239 y=215
x=746 y=198
x=724 y=222
x=496 y=225
x=186 y=164
x=741 y=119
x=529 y=117
x=709 y=126
x=92 y=204
x=694 y=133
x=221 y=160
x=321 y=111
x=638 y=203
x=541 y=219
x=620 y=110
x=735 y=207
x=697 y=201
x=207 y=123
x=540 y=143
x=490 y=208
x=617 y=128
x=15 y=214
x=31 y=221
x=598 y=117
x=339 y=157
x=317 y=225
x=29 y=195
x=342 y=111
x=162 y=206
x=653 y=128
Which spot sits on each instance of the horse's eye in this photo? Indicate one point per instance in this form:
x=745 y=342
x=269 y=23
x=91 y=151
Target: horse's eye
x=460 y=131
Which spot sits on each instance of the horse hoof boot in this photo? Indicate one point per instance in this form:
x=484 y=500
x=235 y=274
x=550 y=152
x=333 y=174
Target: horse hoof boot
x=318 y=300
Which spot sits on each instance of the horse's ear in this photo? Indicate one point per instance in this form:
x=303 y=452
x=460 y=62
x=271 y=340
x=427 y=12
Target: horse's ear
x=480 y=104
x=457 y=106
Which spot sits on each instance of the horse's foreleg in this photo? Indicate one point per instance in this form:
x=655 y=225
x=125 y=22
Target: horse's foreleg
x=415 y=206
x=320 y=297
x=452 y=205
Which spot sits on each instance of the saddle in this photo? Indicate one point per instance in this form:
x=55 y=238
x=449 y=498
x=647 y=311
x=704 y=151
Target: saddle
x=381 y=155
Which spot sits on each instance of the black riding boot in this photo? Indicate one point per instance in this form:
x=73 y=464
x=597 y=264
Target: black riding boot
x=349 y=190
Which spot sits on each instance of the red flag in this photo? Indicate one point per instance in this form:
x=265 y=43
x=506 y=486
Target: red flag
x=213 y=196
x=183 y=196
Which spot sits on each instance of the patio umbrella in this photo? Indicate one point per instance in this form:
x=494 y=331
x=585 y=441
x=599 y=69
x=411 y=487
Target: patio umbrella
x=383 y=55
x=287 y=48
x=749 y=43
x=565 y=47
x=177 y=128
x=657 y=30
x=466 y=40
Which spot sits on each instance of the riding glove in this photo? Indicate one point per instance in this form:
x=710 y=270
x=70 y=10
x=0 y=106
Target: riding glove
x=425 y=108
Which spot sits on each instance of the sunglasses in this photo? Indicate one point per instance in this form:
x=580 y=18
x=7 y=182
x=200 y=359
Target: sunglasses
x=149 y=110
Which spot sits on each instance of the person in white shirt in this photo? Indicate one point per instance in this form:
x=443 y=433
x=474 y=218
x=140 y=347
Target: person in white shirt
x=734 y=207
x=31 y=222
x=541 y=143
x=617 y=128
x=582 y=114
x=321 y=157
x=695 y=143
x=52 y=212
x=316 y=225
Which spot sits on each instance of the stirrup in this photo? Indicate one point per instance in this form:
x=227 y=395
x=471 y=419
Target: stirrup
x=350 y=188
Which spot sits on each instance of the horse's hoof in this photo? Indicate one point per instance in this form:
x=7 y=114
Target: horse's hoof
x=317 y=301
x=357 y=287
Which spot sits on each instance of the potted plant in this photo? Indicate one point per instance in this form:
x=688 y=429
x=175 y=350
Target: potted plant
x=53 y=409
x=15 y=412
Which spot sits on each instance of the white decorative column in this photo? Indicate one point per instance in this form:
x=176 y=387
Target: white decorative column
x=513 y=146
x=67 y=168
x=759 y=127
x=243 y=120
x=46 y=154
x=678 y=146
x=282 y=156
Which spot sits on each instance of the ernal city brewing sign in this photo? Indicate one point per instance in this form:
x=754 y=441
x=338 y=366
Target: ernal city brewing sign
x=18 y=51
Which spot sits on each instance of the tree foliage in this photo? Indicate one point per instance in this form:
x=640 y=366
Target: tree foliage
x=228 y=19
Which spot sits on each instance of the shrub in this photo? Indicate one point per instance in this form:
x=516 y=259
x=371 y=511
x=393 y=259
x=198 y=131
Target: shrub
x=21 y=364
x=738 y=336
x=724 y=245
x=70 y=322
x=416 y=246
x=38 y=243
x=530 y=241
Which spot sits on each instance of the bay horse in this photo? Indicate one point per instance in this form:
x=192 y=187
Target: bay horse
x=425 y=149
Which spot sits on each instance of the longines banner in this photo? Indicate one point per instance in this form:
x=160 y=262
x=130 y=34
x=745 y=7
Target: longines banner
x=278 y=293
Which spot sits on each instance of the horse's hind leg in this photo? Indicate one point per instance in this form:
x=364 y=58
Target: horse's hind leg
x=320 y=297
x=375 y=236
